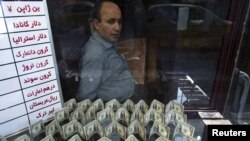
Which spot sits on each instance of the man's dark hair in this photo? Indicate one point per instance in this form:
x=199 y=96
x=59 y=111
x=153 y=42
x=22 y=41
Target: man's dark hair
x=96 y=12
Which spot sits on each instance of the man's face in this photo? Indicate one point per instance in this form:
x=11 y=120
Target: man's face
x=109 y=26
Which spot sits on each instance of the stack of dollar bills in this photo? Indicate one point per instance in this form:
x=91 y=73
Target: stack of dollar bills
x=129 y=121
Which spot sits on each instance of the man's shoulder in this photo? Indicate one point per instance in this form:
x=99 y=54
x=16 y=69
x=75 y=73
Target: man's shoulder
x=93 y=49
x=93 y=45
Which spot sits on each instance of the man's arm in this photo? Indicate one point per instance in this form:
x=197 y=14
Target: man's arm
x=90 y=78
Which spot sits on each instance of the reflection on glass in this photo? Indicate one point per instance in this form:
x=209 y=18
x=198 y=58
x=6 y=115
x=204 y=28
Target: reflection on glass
x=172 y=47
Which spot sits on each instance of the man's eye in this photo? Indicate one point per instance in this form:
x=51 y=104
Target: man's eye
x=119 y=21
x=111 y=21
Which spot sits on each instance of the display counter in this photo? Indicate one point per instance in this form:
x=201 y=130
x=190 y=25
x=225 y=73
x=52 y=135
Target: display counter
x=96 y=120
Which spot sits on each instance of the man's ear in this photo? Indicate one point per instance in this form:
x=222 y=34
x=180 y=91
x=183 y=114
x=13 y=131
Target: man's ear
x=95 y=23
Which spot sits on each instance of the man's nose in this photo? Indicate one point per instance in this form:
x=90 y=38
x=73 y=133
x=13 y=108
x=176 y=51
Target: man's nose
x=117 y=26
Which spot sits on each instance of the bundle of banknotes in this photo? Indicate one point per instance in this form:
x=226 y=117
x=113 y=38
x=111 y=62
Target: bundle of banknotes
x=128 y=121
x=175 y=119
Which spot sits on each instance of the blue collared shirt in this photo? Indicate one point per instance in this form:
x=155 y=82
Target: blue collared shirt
x=104 y=72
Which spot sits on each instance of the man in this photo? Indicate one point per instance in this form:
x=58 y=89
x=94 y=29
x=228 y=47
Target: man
x=104 y=72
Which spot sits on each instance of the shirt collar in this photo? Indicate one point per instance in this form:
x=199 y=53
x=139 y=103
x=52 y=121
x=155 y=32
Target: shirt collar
x=105 y=43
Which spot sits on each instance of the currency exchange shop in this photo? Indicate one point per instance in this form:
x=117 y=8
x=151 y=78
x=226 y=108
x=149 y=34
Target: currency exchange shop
x=189 y=60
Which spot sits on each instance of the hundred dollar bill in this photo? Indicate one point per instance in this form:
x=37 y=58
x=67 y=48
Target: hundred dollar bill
x=76 y=137
x=113 y=104
x=23 y=138
x=80 y=130
x=85 y=104
x=36 y=128
x=69 y=129
x=122 y=116
x=105 y=116
x=92 y=128
x=153 y=115
x=116 y=128
x=110 y=129
x=121 y=130
x=52 y=128
x=131 y=138
x=137 y=115
x=174 y=105
x=90 y=114
x=77 y=114
x=135 y=128
x=160 y=130
x=48 y=138
x=71 y=104
x=174 y=116
x=104 y=139
x=100 y=130
x=62 y=114
x=83 y=119
x=157 y=105
x=150 y=117
x=162 y=139
x=98 y=105
x=185 y=129
x=172 y=126
x=142 y=105
x=129 y=105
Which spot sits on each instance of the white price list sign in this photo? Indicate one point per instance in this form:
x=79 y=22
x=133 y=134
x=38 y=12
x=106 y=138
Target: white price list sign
x=29 y=84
